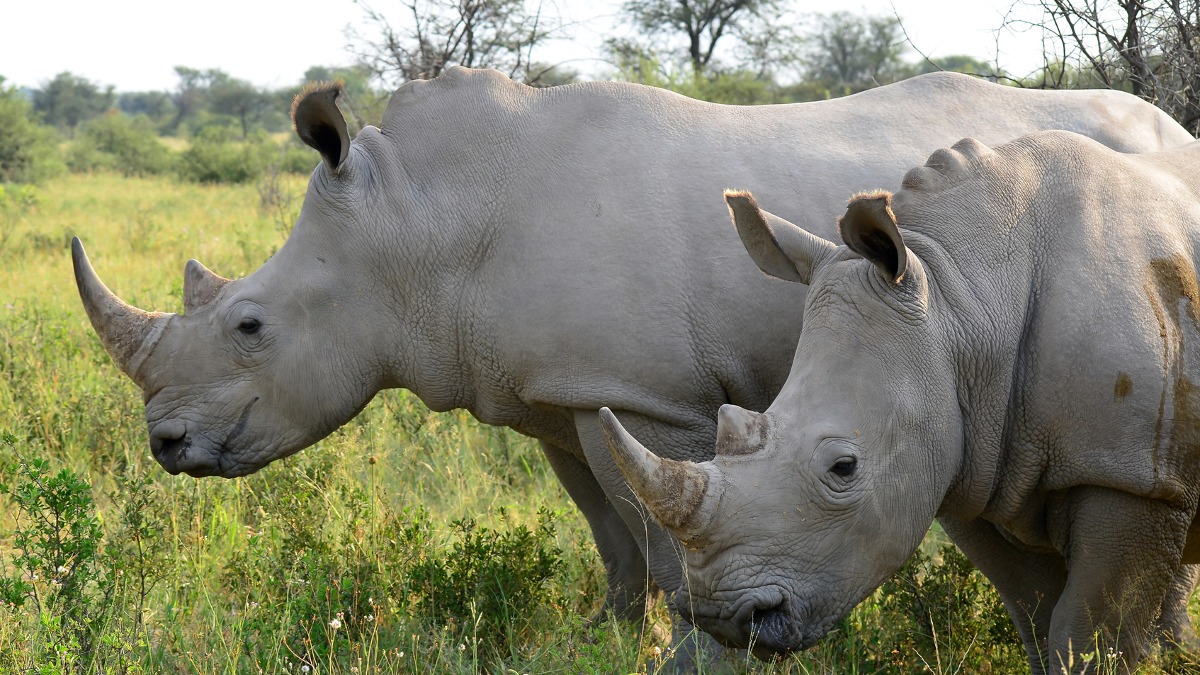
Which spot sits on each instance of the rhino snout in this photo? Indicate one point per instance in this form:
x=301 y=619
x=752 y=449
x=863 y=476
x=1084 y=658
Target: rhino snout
x=171 y=446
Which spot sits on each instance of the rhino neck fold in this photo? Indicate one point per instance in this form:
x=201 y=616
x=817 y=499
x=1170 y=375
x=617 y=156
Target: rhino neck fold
x=983 y=320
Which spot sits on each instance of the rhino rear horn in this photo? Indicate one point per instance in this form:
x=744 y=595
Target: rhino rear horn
x=319 y=122
x=740 y=431
x=681 y=496
x=127 y=333
x=779 y=248
x=200 y=286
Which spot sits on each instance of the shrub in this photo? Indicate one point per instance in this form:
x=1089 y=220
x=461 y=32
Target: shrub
x=948 y=616
x=214 y=157
x=28 y=150
x=491 y=579
x=295 y=158
x=124 y=144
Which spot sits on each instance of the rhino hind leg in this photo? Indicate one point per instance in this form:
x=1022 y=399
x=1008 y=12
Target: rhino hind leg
x=624 y=566
x=1173 y=627
x=1029 y=582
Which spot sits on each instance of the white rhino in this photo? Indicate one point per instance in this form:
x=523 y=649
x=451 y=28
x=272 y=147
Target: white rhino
x=1008 y=344
x=531 y=255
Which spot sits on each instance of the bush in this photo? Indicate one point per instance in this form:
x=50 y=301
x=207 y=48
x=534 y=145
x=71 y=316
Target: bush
x=124 y=144
x=295 y=158
x=491 y=579
x=28 y=150
x=947 y=615
x=214 y=157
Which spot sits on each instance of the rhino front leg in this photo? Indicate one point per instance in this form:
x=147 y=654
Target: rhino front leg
x=624 y=564
x=1123 y=552
x=1029 y=583
x=1173 y=627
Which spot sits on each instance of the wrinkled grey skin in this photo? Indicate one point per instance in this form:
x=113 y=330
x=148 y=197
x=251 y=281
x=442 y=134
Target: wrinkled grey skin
x=531 y=255
x=1027 y=379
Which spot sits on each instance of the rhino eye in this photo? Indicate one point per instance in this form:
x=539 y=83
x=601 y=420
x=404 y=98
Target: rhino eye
x=249 y=326
x=845 y=467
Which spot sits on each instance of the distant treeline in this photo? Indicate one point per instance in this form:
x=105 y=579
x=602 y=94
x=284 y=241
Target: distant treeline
x=214 y=127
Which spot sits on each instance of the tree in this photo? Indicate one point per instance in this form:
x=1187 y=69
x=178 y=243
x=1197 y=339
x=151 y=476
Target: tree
x=702 y=24
x=68 y=99
x=156 y=105
x=437 y=34
x=847 y=52
x=27 y=149
x=190 y=94
x=1150 y=48
x=238 y=98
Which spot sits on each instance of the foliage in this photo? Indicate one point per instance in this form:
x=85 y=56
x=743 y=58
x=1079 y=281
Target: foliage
x=67 y=100
x=735 y=88
x=949 y=616
x=701 y=25
x=214 y=157
x=60 y=568
x=489 y=578
x=28 y=152
x=849 y=53
x=121 y=143
x=436 y=34
x=1150 y=48
x=155 y=105
x=238 y=98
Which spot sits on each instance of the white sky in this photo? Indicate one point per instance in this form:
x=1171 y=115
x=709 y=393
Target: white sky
x=135 y=44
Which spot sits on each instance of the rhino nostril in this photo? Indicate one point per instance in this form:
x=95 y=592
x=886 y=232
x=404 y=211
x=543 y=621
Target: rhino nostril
x=167 y=437
x=771 y=628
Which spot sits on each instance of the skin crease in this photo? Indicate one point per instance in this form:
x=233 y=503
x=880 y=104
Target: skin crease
x=602 y=272
x=1027 y=381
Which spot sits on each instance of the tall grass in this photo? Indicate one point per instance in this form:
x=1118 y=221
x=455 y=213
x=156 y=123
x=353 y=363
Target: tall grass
x=408 y=541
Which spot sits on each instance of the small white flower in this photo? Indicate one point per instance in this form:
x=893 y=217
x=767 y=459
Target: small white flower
x=304 y=668
x=657 y=651
x=335 y=624
x=401 y=654
x=370 y=617
x=61 y=569
x=462 y=647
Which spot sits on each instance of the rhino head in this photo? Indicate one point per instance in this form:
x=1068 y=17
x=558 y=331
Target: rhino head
x=808 y=507
x=256 y=368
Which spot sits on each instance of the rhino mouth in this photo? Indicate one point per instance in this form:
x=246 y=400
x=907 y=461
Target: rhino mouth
x=179 y=449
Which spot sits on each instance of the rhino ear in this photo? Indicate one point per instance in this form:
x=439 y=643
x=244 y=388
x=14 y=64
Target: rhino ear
x=200 y=286
x=319 y=122
x=869 y=229
x=778 y=247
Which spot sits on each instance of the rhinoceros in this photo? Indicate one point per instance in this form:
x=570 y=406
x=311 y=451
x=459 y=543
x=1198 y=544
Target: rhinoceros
x=1008 y=343
x=531 y=255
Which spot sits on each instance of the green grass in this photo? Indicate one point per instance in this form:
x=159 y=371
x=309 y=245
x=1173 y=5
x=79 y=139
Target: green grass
x=408 y=541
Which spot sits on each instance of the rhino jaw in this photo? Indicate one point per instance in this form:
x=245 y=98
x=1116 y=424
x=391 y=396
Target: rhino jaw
x=681 y=496
x=128 y=334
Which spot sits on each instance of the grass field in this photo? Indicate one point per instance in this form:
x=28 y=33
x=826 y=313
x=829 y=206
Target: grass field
x=406 y=542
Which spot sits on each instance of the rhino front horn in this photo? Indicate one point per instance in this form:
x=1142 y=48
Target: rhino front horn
x=127 y=333
x=681 y=496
